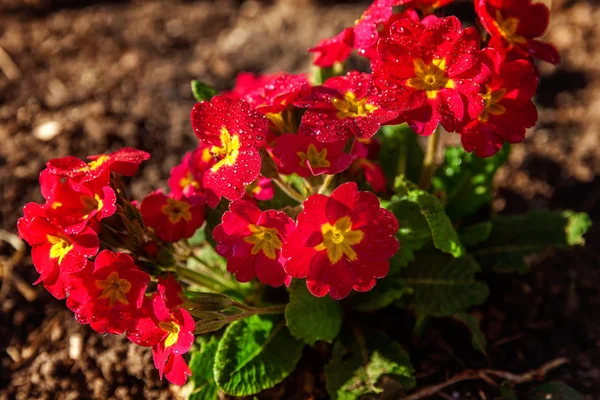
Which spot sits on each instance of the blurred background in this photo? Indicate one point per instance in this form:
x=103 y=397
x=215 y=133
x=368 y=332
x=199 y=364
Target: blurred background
x=85 y=77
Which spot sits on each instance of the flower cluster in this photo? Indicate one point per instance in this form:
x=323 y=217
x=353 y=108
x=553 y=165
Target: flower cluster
x=84 y=210
x=288 y=157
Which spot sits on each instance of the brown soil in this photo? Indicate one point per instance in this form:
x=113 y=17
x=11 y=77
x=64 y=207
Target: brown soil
x=103 y=75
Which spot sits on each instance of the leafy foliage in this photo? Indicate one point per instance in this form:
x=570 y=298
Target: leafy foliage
x=401 y=154
x=201 y=364
x=514 y=237
x=312 y=318
x=422 y=219
x=201 y=91
x=254 y=354
x=478 y=339
x=388 y=290
x=443 y=285
x=359 y=362
x=467 y=180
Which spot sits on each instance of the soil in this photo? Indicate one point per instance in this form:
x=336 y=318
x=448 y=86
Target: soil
x=85 y=77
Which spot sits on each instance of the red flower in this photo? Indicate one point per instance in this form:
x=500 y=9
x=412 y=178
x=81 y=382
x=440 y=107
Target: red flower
x=333 y=50
x=235 y=133
x=515 y=25
x=251 y=241
x=54 y=251
x=168 y=328
x=342 y=242
x=366 y=28
x=124 y=162
x=187 y=177
x=72 y=205
x=508 y=107
x=272 y=95
x=172 y=217
x=306 y=156
x=262 y=189
x=108 y=294
x=433 y=68
x=344 y=107
x=427 y=7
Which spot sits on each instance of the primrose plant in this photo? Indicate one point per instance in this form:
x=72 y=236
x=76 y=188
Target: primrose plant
x=309 y=205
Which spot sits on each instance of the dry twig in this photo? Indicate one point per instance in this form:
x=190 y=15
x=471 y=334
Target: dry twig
x=484 y=374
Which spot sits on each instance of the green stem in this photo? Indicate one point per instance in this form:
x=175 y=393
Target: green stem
x=201 y=279
x=249 y=311
x=285 y=188
x=326 y=182
x=428 y=169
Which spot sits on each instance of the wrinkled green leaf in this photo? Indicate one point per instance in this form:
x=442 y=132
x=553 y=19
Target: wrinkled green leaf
x=312 y=318
x=201 y=363
x=467 y=180
x=478 y=339
x=387 y=290
x=422 y=219
x=555 y=391
x=358 y=364
x=443 y=285
x=514 y=237
x=255 y=354
x=401 y=153
x=201 y=91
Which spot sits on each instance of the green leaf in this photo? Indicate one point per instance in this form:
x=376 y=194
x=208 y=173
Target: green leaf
x=443 y=285
x=414 y=232
x=358 y=364
x=555 y=391
x=312 y=318
x=467 y=180
x=201 y=91
x=444 y=236
x=255 y=354
x=514 y=237
x=201 y=364
x=382 y=295
x=475 y=234
x=422 y=219
x=387 y=290
x=401 y=154
x=478 y=340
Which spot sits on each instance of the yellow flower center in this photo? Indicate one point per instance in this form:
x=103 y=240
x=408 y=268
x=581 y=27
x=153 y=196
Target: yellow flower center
x=92 y=165
x=283 y=121
x=206 y=155
x=61 y=246
x=508 y=29
x=114 y=288
x=176 y=210
x=56 y=205
x=491 y=101
x=173 y=328
x=188 y=180
x=316 y=158
x=264 y=239
x=352 y=107
x=339 y=238
x=229 y=150
x=430 y=78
